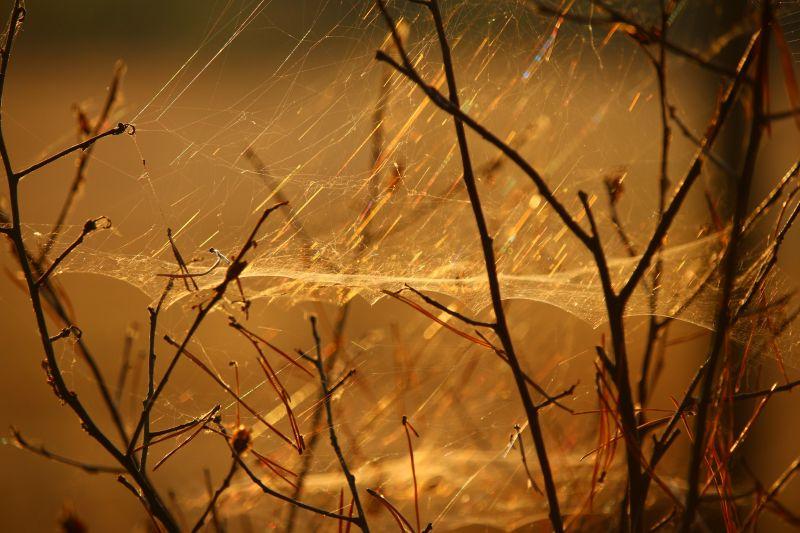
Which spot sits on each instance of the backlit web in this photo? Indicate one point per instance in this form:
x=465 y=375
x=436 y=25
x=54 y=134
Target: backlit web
x=284 y=100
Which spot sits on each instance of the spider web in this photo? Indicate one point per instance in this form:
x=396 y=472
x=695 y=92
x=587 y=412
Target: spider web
x=371 y=171
x=372 y=175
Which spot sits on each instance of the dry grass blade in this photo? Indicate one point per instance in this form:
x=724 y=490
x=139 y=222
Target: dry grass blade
x=422 y=310
x=231 y=392
x=190 y=438
x=408 y=430
x=402 y=521
x=254 y=336
x=278 y=470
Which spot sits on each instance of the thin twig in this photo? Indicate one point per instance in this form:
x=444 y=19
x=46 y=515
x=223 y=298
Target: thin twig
x=361 y=518
x=149 y=496
x=180 y=428
x=531 y=479
x=181 y=263
x=89 y=227
x=44 y=452
x=728 y=271
x=139 y=496
x=654 y=326
x=232 y=273
x=637 y=31
x=83 y=145
x=772 y=197
x=266 y=490
x=125 y=362
x=501 y=328
x=766 y=392
x=311 y=444
x=212 y=504
x=153 y=312
x=451 y=312
x=84 y=157
x=720 y=116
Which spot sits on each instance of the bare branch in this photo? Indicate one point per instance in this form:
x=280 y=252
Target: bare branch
x=445 y=309
x=47 y=454
x=361 y=519
x=83 y=158
x=212 y=504
x=728 y=270
x=83 y=145
x=89 y=227
x=452 y=105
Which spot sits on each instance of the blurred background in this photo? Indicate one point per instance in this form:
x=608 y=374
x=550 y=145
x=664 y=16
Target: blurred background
x=295 y=82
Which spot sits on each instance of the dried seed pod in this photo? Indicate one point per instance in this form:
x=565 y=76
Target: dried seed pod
x=240 y=440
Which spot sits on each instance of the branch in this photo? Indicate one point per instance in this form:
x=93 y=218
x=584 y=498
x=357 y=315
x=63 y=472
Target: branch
x=442 y=103
x=445 y=309
x=174 y=431
x=766 y=392
x=720 y=116
x=83 y=159
x=637 y=32
x=569 y=391
x=614 y=190
x=673 y=113
x=236 y=267
x=453 y=106
x=139 y=496
x=211 y=504
x=266 y=490
x=728 y=270
x=338 y=334
x=89 y=227
x=361 y=519
x=14 y=24
x=54 y=375
x=52 y=298
x=531 y=479
x=780 y=115
x=116 y=130
x=47 y=454
x=772 y=197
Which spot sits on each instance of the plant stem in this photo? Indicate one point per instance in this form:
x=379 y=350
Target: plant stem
x=728 y=272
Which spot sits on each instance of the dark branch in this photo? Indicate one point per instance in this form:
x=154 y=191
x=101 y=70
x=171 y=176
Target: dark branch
x=47 y=454
x=116 y=130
